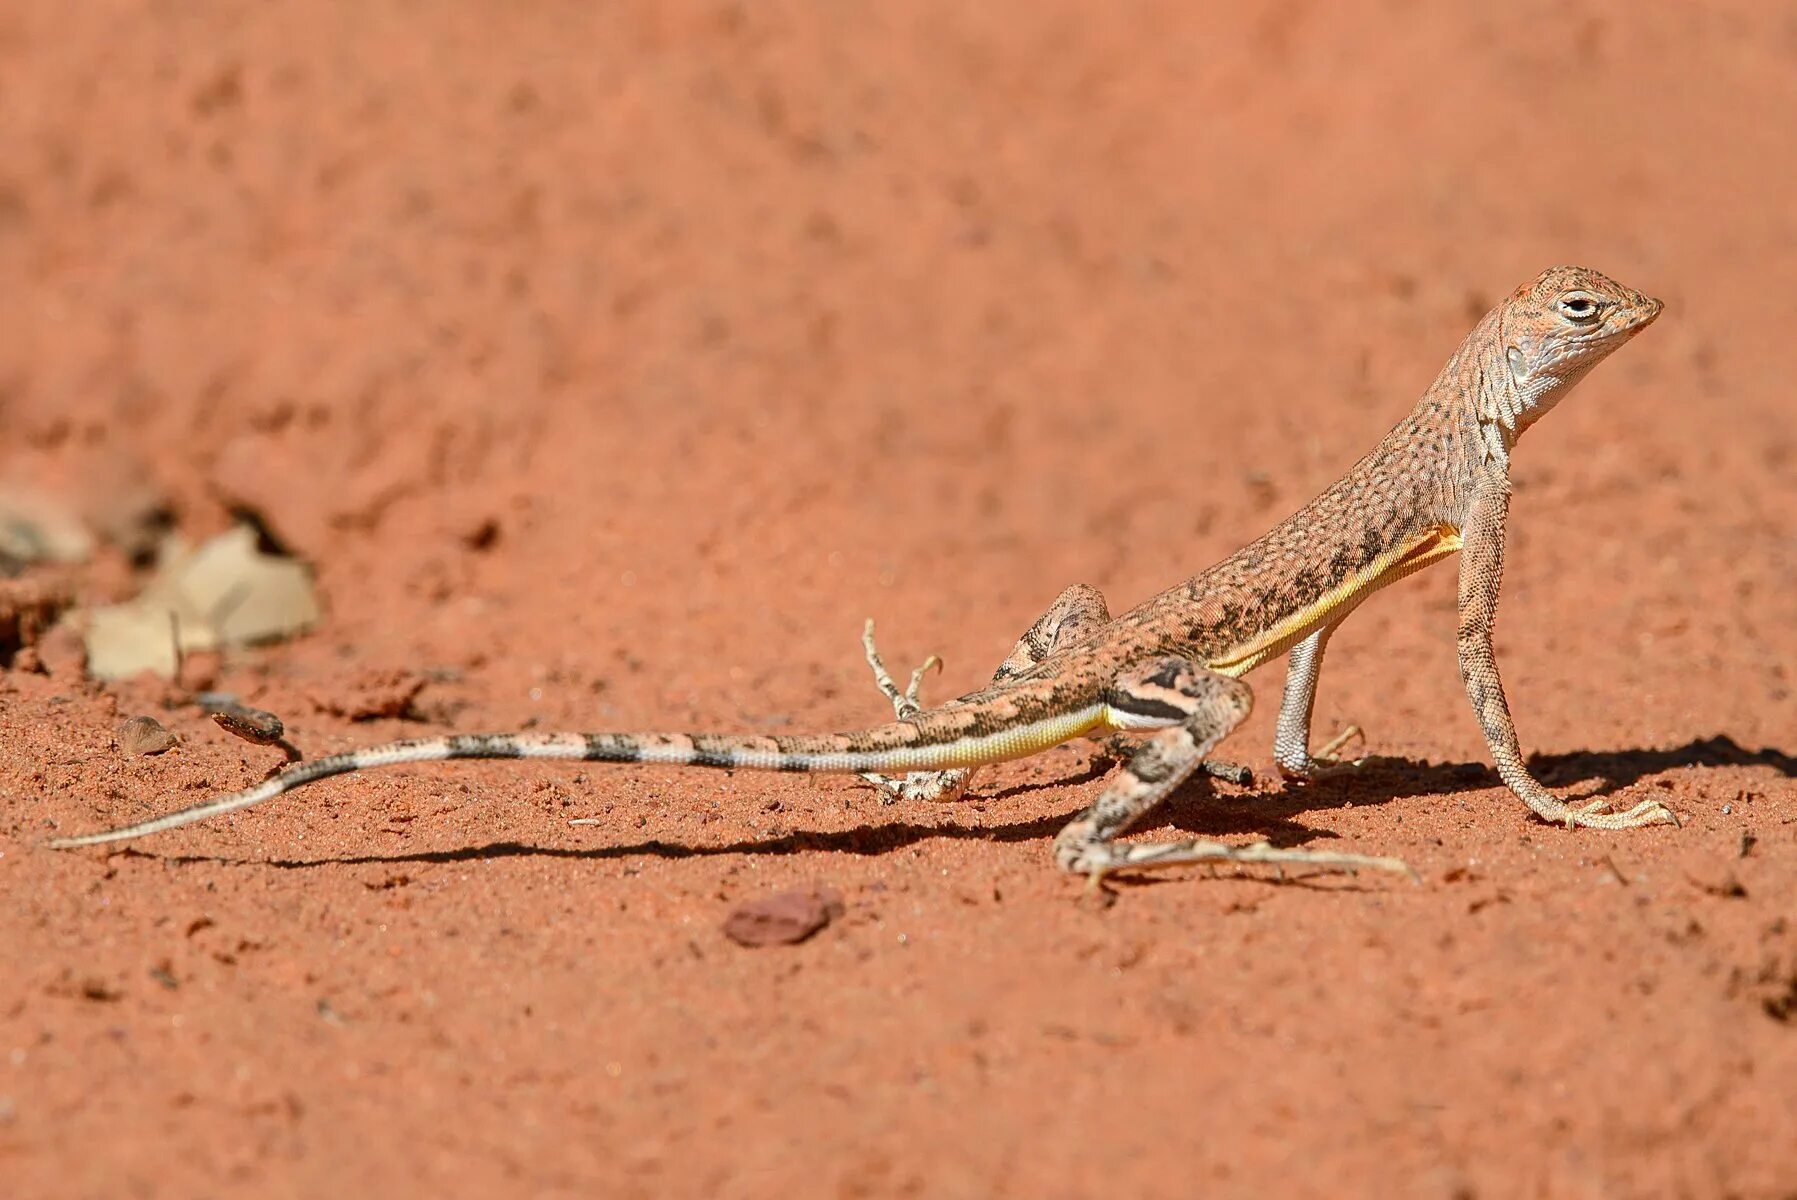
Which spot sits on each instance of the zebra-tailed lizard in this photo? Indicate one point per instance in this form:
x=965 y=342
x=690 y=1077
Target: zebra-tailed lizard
x=1436 y=484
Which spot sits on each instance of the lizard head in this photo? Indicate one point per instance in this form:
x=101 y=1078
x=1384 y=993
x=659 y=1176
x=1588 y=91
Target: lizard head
x=1559 y=326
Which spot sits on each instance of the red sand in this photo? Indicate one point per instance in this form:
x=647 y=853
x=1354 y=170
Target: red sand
x=611 y=363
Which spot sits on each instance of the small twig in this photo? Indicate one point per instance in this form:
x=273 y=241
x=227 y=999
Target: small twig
x=174 y=637
x=1616 y=871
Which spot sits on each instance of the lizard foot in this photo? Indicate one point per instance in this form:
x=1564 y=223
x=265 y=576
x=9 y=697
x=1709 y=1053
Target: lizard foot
x=930 y=786
x=1594 y=815
x=1324 y=765
x=940 y=786
x=904 y=704
x=1228 y=772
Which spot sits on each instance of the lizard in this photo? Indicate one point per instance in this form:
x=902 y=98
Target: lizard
x=1437 y=484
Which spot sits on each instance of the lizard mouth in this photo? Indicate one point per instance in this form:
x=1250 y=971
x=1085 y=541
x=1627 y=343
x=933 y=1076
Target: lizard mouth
x=1643 y=316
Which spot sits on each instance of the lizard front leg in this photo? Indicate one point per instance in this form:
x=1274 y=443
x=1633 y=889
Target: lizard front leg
x=1481 y=573
x=1194 y=708
x=1077 y=612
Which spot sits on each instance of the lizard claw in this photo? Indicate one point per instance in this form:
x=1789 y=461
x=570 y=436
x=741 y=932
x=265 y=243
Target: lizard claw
x=1651 y=812
x=890 y=790
x=1594 y=816
x=1320 y=769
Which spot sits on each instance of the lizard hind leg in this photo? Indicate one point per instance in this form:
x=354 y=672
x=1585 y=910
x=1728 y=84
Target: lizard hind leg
x=1194 y=708
x=1076 y=613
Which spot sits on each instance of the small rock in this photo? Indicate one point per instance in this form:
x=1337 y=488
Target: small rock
x=97 y=989
x=783 y=918
x=144 y=735
x=482 y=537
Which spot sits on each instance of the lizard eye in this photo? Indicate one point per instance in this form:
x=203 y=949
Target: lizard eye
x=1579 y=308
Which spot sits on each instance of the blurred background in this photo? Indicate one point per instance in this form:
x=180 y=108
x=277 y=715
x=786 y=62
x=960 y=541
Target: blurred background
x=687 y=283
x=608 y=363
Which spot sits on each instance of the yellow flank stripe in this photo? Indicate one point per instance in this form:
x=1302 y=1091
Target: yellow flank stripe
x=1388 y=568
x=1020 y=742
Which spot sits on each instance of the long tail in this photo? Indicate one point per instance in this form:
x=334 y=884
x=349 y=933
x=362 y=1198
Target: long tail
x=948 y=737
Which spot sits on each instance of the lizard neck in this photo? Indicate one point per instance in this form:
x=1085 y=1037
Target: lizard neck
x=1507 y=383
x=1477 y=391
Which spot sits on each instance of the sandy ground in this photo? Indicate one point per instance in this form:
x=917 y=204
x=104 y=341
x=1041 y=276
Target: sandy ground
x=612 y=363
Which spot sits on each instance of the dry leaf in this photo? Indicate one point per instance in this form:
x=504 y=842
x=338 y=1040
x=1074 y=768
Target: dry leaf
x=226 y=593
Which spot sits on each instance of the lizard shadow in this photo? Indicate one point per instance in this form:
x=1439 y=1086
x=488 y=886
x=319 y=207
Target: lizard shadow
x=1196 y=808
x=1204 y=812
x=1620 y=768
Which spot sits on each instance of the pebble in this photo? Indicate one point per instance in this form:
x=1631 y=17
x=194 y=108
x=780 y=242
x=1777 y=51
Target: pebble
x=783 y=918
x=144 y=735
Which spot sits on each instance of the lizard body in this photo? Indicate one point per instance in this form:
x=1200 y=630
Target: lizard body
x=1436 y=484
